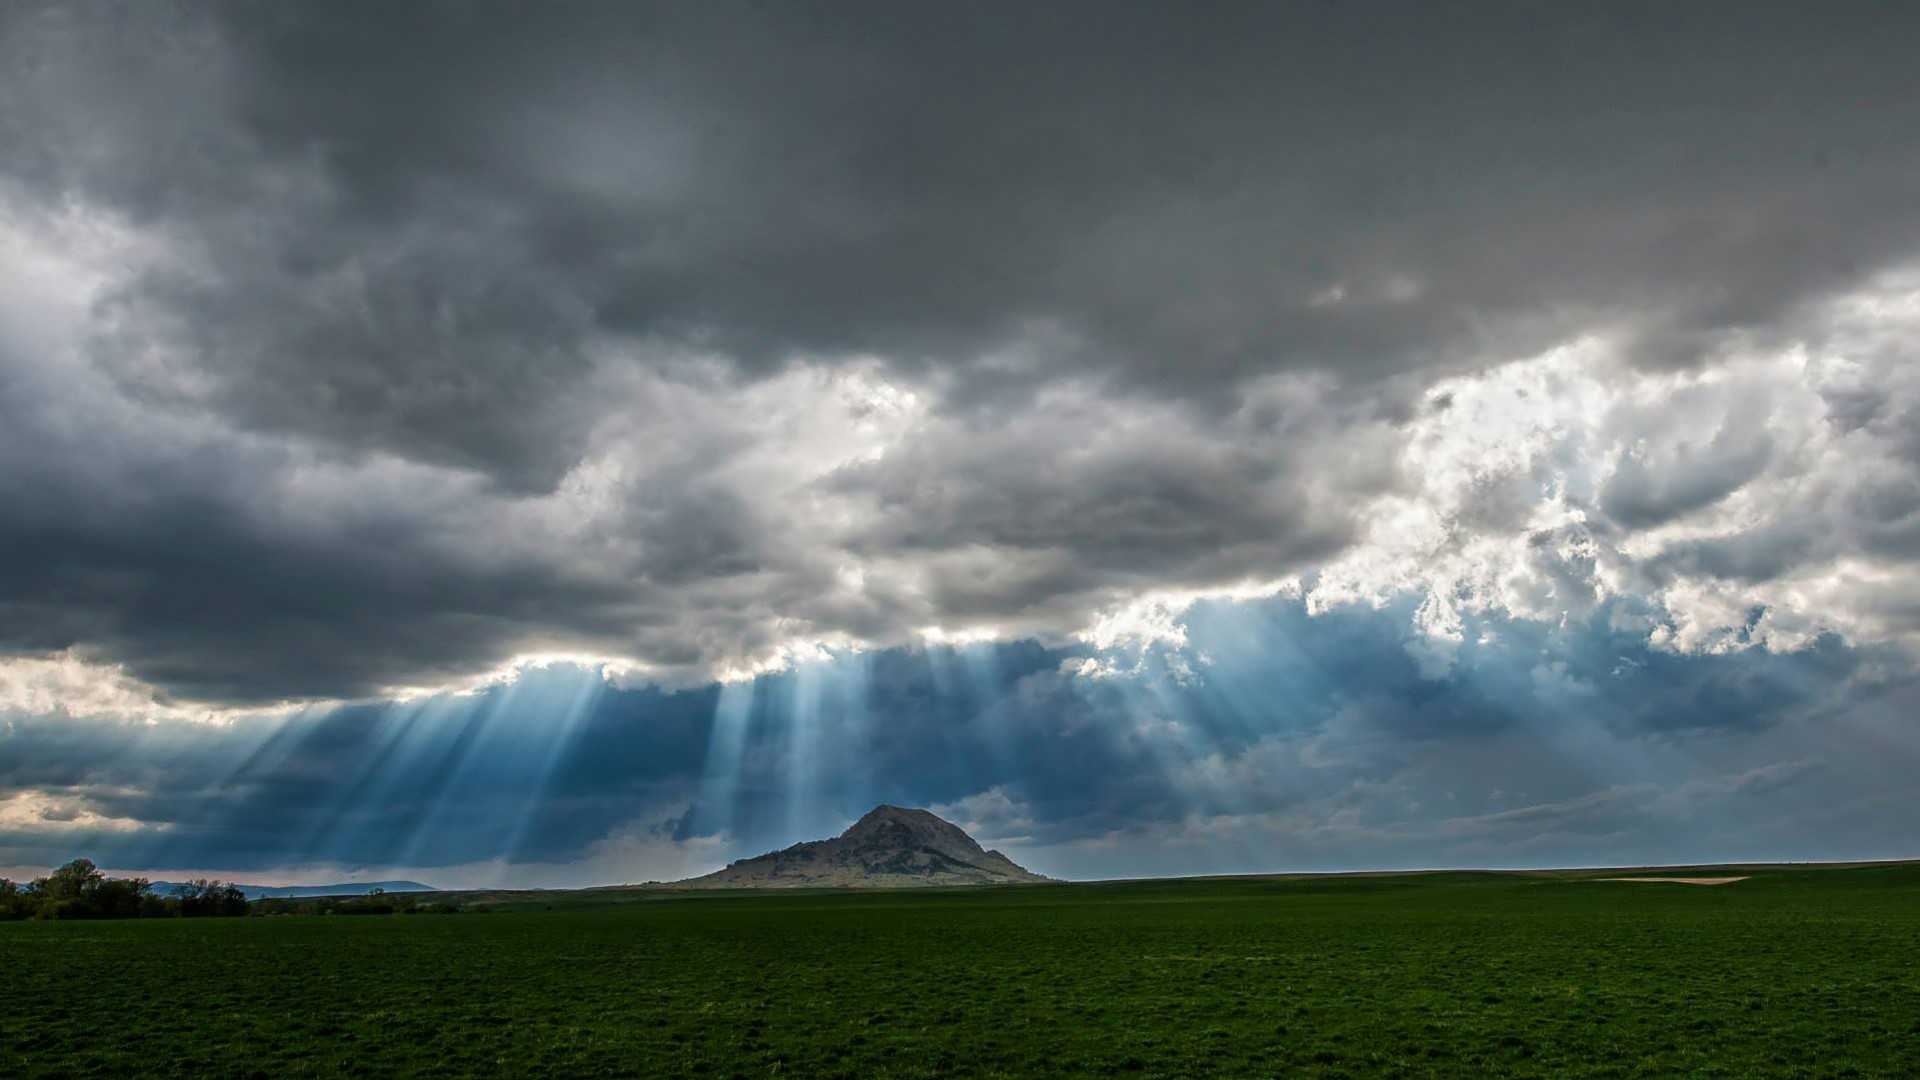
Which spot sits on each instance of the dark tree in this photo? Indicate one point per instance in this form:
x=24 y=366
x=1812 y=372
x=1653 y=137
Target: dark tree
x=205 y=897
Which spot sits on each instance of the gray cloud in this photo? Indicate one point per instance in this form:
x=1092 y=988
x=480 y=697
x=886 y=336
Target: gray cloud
x=1642 y=493
x=420 y=338
x=401 y=229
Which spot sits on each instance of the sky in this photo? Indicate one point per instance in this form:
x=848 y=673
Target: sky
x=572 y=444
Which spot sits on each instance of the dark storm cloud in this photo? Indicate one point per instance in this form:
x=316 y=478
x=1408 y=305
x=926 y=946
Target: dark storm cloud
x=1561 y=745
x=408 y=223
x=1175 y=191
x=219 y=567
x=439 y=333
x=194 y=566
x=214 y=613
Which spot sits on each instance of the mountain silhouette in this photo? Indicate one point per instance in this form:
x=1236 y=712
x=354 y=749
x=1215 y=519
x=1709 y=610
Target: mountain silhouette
x=891 y=847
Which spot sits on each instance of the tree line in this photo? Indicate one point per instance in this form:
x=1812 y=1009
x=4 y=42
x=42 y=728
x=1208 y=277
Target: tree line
x=80 y=890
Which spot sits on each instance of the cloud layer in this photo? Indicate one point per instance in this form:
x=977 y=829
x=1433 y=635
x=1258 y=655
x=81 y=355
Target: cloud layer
x=350 y=354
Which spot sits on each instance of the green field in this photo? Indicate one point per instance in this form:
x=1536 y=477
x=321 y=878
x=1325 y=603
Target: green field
x=1811 y=972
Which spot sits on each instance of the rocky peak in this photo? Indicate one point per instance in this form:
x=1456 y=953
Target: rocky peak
x=898 y=826
x=890 y=846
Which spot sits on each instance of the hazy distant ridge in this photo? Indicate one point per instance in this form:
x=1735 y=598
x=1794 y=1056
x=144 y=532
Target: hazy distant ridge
x=350 y=888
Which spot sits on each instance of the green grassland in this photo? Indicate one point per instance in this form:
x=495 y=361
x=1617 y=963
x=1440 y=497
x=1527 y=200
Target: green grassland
x=1812 y=972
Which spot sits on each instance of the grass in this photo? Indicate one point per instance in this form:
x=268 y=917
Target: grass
x=1808 y=972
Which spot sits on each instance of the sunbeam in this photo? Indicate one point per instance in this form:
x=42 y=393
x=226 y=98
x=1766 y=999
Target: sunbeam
x=445 y=807
x=566 y=719
x=714 y=806
x=802 y=731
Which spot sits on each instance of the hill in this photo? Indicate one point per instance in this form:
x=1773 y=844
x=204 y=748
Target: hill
x=891 y=847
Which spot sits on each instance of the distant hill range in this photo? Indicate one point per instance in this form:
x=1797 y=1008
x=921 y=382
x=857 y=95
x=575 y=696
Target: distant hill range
x=282 y=892
x=892 y=847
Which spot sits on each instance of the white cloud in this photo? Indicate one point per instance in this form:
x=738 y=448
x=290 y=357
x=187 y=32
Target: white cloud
x=66 y=683
x=52 y=814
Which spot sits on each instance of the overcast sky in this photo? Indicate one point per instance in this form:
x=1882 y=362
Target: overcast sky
x=574 y=443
